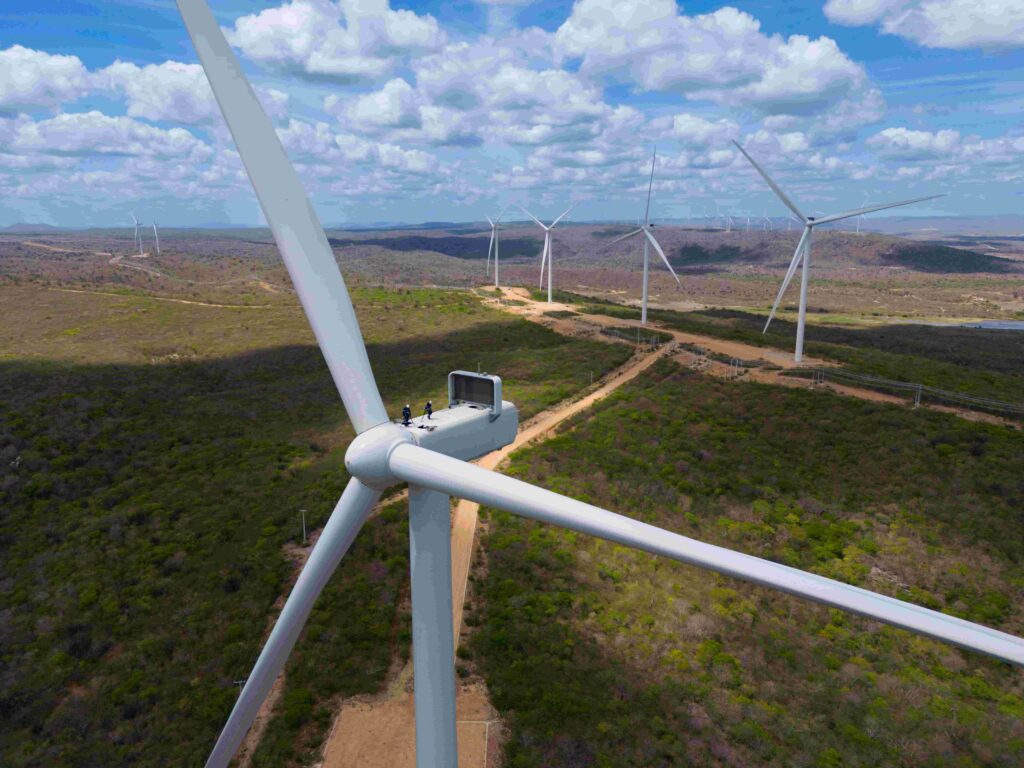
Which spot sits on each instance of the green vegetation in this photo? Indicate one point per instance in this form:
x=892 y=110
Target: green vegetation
x=560 y=314
x=692 y=255
x=151 y=505
x=932 y=257
x=601 y=656
x=460 y=247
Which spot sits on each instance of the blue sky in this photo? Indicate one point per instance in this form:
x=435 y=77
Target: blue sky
x=414 y=111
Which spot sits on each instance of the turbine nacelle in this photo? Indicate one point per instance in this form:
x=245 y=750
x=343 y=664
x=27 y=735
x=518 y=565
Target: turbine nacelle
x=463 y=431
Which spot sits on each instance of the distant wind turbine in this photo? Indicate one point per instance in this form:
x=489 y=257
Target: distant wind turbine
x=645 y=229
x=138 y=235
x=861 y=216
x=545 y=255
x=767 y=222
x=803 y=248
x=494 y=244
x=156 y=237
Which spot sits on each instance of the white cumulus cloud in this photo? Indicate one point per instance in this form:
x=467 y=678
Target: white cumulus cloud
x=723 y=56
x=87 y=133
x=938 y=23
x=346 y=41
x=30 y=78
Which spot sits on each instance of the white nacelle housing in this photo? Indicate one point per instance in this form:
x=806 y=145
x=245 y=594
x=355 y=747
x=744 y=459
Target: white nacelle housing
x=476 y=421
x=466 y=430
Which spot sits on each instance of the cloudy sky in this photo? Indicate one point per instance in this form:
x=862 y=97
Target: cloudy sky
x=413 y=111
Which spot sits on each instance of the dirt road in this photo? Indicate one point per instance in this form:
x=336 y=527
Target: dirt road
x=571 y=326
x=465 y=517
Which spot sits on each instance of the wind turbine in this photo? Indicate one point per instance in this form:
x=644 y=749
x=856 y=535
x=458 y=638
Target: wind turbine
x=803 y=248
x=494 y=244
x=649 y=240
x=434 y=463
x=545 y=255
x=861 y=216
x=767 y=222
x=157 y=238
x=138 y=236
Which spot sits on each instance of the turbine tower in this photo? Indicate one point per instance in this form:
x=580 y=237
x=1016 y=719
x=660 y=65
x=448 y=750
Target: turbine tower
x=494 y=244
x=156 y=237
x=649 y=240
x=802 y=255
x=545 y=255
x=435 y=463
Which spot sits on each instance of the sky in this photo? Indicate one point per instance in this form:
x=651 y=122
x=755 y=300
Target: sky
x=409 y=111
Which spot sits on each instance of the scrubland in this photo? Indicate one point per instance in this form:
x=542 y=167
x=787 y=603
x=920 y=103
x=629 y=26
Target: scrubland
x=601 y=656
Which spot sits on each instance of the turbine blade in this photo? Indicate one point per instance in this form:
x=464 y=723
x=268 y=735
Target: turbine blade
x=348 y=517
x=662 y=254
x=292 y=219
x=502 y=213
x=489 y=221
x=566 y=213
x=797 y=255
x=650 y=186
x=457 y=478
x=490 y=247
x=871 y=208
x=775 y=187
x=532 y=217
x=621 y=238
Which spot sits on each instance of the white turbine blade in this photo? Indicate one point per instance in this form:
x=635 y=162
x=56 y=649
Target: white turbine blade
x=457 y=478
x=650 y=186
x=797 y=254
x=502 y=213
x=662 y=254
x=871 y=208
x=566 y=213
x=348 y=517
x=775 y=187
x=490 y=247
x=489 y=221
x=292 y=219
x=621 y=238
x=532 y=217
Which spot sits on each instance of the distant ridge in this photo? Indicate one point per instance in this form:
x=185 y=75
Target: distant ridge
x=25 y=228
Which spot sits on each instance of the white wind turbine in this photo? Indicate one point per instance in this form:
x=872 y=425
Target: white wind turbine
x=649 y=240
x=545 y=255
x=803 y=247
x=138 y=235
x=493 y=246
x=434 y=463
x=156 y=237
x=860 y=217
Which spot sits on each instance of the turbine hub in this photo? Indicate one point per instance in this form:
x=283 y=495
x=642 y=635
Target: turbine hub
x=367 y=456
